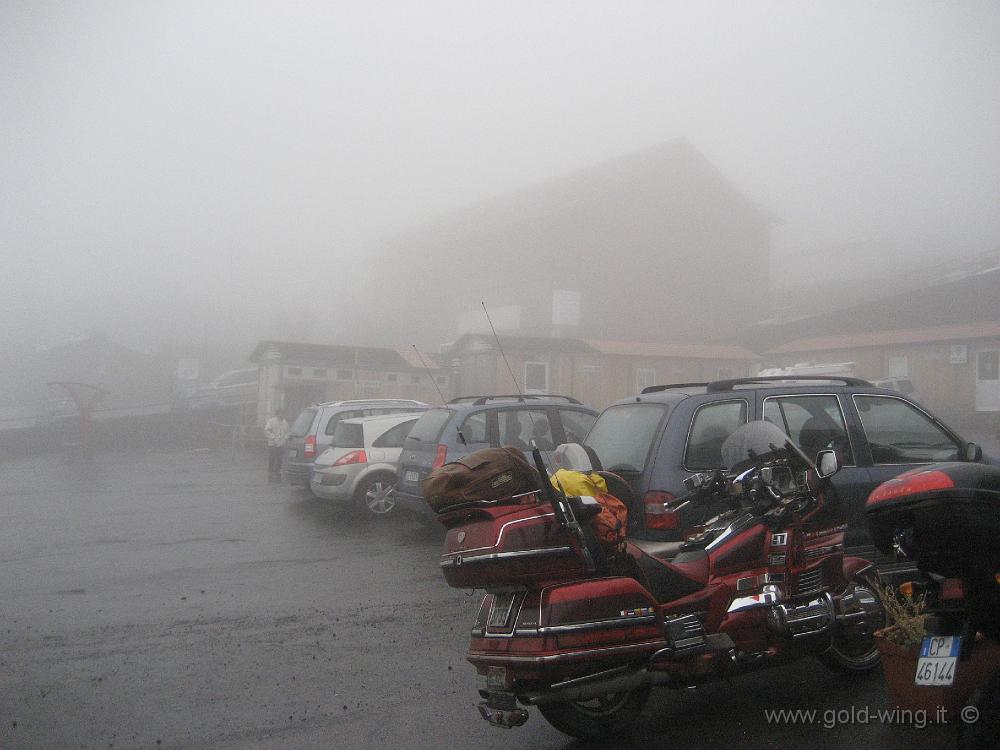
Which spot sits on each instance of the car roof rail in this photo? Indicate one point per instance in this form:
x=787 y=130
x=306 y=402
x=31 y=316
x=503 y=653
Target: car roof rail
x=522 y=397
x=728 y=385
x=670 y=386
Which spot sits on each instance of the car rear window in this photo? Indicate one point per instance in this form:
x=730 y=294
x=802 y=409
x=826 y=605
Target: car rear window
x=623 y=435
x=428 y=428
x=348 y=435
x=301 y=425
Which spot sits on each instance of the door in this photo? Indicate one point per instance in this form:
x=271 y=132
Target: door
x=816 y=422
x=900 y=436
x=988 y=380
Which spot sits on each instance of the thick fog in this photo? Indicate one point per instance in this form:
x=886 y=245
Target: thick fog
x=219 y=173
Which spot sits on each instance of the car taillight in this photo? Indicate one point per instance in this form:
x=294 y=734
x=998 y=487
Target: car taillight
x=309 y=449
x=910 y=483
x=354 y=457
x=441 y=457
x=658 y=515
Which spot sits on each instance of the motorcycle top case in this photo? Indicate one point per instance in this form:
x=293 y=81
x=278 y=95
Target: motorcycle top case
x=483 y=477
x=946 y=508
x=500 y=546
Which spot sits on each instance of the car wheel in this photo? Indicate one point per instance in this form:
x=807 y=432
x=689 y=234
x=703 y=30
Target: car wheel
x=377 y=494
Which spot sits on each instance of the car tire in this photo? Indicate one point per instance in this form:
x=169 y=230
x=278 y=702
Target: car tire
x=375 y=495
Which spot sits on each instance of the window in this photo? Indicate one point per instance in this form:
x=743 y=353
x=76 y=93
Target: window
x=394 y=437
x=899 y=433
x=814 y=423
x=414 y=379
x=710 y=427
x=302 y=422
x=345 y=374
x=988 y=365
x=442 y=380
x=294 y=372
x=347 y=435
x=623 y=436
x=331 y=425
x=898 y=367
x=391 y=377
x=576 y=424
x=644 y=377
x=428 y=428
x=473 y=429
x=536 y=377
x=319 y=372
x=519 y=427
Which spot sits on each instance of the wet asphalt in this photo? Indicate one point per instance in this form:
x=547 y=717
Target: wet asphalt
x=178 y=600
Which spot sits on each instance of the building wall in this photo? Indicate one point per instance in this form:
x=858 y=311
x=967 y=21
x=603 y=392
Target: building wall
x=594 y=379
x=292 y=392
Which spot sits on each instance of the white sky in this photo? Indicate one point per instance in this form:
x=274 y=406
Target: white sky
x=215 y=170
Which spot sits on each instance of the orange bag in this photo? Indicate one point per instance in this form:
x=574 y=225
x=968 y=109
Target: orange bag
x=610 y=524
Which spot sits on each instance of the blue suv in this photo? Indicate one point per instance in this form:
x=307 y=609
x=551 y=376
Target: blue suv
x=667 y=433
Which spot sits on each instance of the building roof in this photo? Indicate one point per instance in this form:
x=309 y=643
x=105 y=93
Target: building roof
x=883 y=338
x=471 y=342
x=327 y=354
x=419 y=361
x=673 y=351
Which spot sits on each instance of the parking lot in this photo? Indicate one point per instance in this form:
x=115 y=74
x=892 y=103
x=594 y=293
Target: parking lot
x=176 y=599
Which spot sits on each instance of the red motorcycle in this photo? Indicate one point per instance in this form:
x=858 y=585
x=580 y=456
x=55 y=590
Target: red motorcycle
x=584 y=635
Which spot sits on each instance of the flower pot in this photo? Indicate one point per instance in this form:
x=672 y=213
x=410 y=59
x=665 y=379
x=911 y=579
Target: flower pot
x=899 y=666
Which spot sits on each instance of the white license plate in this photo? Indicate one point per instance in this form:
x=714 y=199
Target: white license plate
x=410 y=476
x=292 y=452
x=496 y=678
x=938 y=660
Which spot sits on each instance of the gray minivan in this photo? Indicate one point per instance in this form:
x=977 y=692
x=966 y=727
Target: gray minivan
x=313 y=429
x=468 y=424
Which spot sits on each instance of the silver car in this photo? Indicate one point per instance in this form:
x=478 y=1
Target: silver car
x=360 y=464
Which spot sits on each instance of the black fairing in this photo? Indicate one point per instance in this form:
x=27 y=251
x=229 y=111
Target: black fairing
x=947 y=531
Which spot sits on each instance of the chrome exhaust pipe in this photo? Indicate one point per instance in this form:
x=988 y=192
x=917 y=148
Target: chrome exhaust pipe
x=592 y=686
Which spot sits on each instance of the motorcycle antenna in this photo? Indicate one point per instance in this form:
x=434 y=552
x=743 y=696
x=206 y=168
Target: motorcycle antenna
x=436 y=386
x=517 y=386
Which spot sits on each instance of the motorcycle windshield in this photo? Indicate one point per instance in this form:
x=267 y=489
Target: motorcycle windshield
x=760 y=441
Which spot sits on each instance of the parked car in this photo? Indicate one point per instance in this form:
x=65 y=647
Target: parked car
x=467 y=424
x=360 y=463
x=312 y=430
x=669 y=432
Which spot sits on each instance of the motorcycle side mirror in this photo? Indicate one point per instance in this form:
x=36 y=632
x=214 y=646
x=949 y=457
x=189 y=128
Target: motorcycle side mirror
x=827 y=464
x=973 y=452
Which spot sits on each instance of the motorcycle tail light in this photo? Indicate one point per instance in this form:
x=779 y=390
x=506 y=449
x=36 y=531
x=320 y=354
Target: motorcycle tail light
x=911 y=483
x=952 y=589
x=658 y=515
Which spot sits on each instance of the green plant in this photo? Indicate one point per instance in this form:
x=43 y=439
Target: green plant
x=905 y=615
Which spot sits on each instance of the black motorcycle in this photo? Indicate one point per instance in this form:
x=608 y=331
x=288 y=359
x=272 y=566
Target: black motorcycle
x=946 y=518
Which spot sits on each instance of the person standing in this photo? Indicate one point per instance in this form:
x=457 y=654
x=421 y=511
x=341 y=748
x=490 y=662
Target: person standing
x=276 y=431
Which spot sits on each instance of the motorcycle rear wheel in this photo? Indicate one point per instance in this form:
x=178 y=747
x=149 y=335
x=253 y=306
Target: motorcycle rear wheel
x=599 y=717
x=854 y=655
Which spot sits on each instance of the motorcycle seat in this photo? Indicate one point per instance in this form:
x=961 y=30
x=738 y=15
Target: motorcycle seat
x=668 y=581
x=660 y=550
